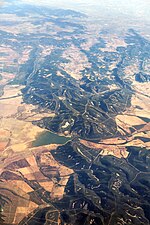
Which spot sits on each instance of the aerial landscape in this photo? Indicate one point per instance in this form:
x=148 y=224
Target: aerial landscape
x=74 y=113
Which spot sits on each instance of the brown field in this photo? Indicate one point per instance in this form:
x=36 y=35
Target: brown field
x=78 y=61
x=24 y=172
x=132 y=118
x=30 y=176
x=19 y=169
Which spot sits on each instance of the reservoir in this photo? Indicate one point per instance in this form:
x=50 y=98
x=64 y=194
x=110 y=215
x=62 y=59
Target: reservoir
x=47 y=138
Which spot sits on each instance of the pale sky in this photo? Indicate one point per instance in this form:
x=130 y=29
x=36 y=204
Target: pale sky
x=136 y=8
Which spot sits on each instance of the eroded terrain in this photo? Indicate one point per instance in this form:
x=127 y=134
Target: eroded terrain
x=62 y=73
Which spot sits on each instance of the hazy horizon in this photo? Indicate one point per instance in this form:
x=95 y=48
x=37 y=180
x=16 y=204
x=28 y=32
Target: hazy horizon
x=133 y=8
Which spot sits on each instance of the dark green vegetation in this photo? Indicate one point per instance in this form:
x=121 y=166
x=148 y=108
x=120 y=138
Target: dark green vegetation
x=89 y=106
x=103 y=189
